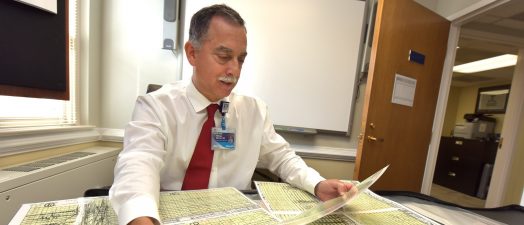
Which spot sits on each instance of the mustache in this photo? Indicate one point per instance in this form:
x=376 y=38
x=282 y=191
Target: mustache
x=228 y=79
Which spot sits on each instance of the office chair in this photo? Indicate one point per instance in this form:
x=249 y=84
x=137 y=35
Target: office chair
x=153 y=87
x=94 y=192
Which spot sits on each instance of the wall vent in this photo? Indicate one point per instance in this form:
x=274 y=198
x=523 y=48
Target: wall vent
x=60 y=177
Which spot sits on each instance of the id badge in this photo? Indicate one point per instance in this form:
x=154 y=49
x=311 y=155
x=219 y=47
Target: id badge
x=223 y=139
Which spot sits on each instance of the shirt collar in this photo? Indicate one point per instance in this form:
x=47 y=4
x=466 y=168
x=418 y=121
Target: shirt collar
x=198 y=100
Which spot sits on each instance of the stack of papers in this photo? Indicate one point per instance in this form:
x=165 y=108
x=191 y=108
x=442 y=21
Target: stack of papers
x=280 y=204
x=211 y=206
x=366 y=208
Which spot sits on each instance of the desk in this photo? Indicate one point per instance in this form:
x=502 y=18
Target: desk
x=229 y=206
x=449 y=213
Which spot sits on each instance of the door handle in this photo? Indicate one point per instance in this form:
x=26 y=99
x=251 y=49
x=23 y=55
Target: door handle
x=374 y=139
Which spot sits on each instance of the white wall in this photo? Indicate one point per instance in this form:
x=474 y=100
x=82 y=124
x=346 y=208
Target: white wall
x=132 y=57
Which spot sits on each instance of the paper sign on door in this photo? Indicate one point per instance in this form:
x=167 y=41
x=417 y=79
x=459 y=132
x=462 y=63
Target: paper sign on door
x=404 y=90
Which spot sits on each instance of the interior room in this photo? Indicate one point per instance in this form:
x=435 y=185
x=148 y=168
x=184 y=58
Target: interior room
x=354 y=86
x=506 y=21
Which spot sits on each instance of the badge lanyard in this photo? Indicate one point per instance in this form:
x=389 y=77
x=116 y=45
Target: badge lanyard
x=223 y=138
x=224 y=107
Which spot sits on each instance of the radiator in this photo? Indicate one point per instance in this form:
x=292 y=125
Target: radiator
x=61 y=177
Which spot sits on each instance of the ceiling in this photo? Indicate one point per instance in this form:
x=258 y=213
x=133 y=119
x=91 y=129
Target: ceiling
x=495 y=32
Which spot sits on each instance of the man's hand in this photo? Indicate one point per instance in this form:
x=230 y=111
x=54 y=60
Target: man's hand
x=142 y=221
x=331 y=188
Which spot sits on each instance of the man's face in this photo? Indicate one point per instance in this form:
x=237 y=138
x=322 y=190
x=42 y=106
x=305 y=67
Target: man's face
x=218 y=62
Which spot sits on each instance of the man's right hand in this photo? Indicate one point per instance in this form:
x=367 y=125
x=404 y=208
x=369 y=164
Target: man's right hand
x=142 y=221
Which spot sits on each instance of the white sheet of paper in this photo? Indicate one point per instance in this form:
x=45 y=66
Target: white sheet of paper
x=404 y=90
x=330 y=206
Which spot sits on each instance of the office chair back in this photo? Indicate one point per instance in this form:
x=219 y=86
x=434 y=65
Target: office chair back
x=153 y=87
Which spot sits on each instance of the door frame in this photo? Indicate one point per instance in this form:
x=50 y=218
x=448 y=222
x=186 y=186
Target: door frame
x=512 y=120
x=501 y=170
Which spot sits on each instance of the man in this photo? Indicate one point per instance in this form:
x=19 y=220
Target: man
x=163 y=145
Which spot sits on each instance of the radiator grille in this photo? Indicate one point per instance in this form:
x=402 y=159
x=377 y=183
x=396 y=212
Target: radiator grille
x=48 y=162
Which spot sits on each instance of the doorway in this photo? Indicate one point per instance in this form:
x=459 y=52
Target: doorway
x=470 y=137
x=492 y=33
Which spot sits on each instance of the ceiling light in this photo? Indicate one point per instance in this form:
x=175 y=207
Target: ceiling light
x=487 y=64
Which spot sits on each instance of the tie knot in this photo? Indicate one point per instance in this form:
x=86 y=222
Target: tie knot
x=211 y=109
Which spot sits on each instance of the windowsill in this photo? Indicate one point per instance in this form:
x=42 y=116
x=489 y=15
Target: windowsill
x=29 y=139
x=19 y=131
x=113 y=135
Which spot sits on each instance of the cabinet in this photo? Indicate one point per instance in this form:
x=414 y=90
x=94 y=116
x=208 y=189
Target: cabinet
x=461 y=162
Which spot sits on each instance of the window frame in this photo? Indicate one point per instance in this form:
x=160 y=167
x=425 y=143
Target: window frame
x=70 y=111
x=23 y=91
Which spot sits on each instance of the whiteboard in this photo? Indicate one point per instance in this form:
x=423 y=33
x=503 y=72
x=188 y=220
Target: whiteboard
x=302 y=58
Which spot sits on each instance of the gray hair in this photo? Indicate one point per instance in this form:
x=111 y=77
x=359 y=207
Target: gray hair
x=201 y=20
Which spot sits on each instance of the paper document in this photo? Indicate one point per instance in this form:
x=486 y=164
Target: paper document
x=72 y=211
x=211 y=206
x=295 y=206
x=285 y=204
x=330 y=206
x=282 y=198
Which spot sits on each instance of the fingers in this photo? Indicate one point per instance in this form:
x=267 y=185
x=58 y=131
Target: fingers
x=332 y=188
x=341 y=188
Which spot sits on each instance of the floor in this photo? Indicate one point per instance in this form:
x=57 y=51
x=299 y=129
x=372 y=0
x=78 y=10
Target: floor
x=456 y=197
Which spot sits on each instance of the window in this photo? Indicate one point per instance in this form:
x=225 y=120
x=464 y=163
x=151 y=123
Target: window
x=24 y=112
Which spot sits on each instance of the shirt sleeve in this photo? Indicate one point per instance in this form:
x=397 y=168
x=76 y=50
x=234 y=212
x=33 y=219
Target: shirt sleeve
x=277 y=156
x=136 y=187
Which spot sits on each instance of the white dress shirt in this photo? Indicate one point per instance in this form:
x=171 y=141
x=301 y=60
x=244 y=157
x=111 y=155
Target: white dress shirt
x=161 y=137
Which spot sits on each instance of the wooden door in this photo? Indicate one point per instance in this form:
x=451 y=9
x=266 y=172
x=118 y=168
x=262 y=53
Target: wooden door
x=391 y=133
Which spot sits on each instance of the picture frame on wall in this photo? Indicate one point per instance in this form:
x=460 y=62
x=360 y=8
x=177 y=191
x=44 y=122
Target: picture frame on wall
x=492 y=100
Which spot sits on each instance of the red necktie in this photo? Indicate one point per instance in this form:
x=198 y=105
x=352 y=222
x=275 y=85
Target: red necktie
x=199 y=169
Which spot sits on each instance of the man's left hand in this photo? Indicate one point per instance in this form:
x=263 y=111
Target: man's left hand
x=331 y=188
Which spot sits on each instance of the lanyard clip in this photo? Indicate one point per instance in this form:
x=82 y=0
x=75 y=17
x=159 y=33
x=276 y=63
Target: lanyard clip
x=224 y=107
